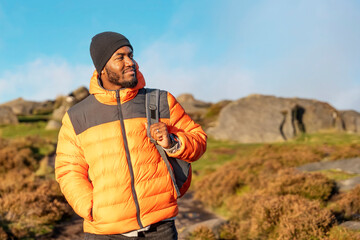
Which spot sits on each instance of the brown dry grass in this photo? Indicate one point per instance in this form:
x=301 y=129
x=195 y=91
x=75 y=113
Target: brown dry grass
x=340 y=233
x=29 y=205
x=218 y=186
x=201 y=233
x=260 y=171
x=278 y=217
x=347 y=205
x=294 y=182
x=280 y=202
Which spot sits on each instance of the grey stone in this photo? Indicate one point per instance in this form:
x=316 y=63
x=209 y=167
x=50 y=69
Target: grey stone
x=351 y=121
x=348 y=184
x=7 y=116
x=351 y=165
x=80 y=94
x=23 y=107
x=195 y=108
x=260 y=118
x=59 y=113
x=352 y=225
x=63 y=103
x=53 y=125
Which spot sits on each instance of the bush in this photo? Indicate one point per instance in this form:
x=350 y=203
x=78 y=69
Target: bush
x=201 y=233
x=3 y=234
x=33 y=211
x=279 y=217
x=308 y=185
x=214 y=188
x=340 y=233
x=29 y=205
x=347 y=205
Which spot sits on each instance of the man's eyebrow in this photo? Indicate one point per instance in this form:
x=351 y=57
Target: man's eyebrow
x=120 y=54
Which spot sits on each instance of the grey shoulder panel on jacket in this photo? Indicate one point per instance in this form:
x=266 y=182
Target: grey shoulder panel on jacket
x=90 y=112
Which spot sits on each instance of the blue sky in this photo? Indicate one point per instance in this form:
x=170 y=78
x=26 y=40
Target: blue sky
x=214 y=49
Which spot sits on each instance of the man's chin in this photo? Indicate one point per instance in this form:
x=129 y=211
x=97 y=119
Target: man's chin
x=131 y=83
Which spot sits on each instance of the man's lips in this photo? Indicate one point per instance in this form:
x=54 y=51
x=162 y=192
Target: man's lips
x=130 y=70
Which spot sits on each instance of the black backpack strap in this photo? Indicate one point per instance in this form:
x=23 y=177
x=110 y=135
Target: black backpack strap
x=152 y=98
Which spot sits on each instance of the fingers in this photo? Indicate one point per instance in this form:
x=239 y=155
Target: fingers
x=158 y=131
x=160 y=134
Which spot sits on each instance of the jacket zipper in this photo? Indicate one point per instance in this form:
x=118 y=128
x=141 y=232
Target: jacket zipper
x=121 y=118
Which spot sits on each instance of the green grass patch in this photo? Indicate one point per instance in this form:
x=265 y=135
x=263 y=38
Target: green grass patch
x=330 y=138
x=34 y=118
x=219 y=152
x=25 y=129
x=338 y=175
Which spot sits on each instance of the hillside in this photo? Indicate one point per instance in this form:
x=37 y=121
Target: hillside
x=256 y=187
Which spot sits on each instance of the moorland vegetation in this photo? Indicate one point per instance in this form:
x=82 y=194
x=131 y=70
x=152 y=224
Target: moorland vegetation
x=256 y=187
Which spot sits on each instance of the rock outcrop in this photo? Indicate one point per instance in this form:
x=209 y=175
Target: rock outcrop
x=195 y=108
x=259 y=118
x=63 y=103
x=7 y=116
x=23 y=107
x=351 y=121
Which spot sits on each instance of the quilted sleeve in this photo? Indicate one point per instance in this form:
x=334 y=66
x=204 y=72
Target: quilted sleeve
x=190 y=134
x=71 y=171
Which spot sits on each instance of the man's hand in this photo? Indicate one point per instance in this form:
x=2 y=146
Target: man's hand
x=160 y=133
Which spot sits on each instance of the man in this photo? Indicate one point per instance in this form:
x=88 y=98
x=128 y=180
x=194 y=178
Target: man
x=108 y=169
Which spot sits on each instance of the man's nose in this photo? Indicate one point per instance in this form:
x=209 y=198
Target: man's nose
x=129 y=62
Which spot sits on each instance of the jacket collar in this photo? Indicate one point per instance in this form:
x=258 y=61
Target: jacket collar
x=109 y=96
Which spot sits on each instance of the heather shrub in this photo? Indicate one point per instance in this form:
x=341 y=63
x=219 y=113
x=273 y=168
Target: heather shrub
x=32 y=211
x=308 y=185
x=29 y=205
x=290 y=155
x=15 y=157
x=340 y=233
x=201 y=233
x=277 y=217
x=345 y=151
x=261 y=171
x=218 y=185
x=15 y=180
x=3 y=234
x=346 y=205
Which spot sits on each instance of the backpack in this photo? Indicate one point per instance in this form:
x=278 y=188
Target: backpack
x=180 y=170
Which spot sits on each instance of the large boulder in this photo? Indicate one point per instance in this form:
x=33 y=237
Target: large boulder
x=20 y=106
x=318 y=116
x=259 y=118
x=80 y=94
x=195 y=108
x=191 y=105
x=63 y=103
x=351 y=121
x=7 y=116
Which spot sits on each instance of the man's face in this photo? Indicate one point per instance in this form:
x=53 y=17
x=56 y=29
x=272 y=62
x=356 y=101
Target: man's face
x=119 y=71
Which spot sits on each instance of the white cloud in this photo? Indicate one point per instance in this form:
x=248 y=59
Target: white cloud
x=171 y=67
x=43 y=78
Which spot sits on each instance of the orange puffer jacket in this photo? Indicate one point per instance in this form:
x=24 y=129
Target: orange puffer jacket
x=107 y=168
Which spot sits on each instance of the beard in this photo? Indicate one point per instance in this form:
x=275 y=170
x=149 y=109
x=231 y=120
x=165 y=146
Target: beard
x=114 y=78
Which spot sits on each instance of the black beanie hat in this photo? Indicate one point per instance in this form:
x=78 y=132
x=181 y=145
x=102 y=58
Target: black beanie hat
x=103 y=46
